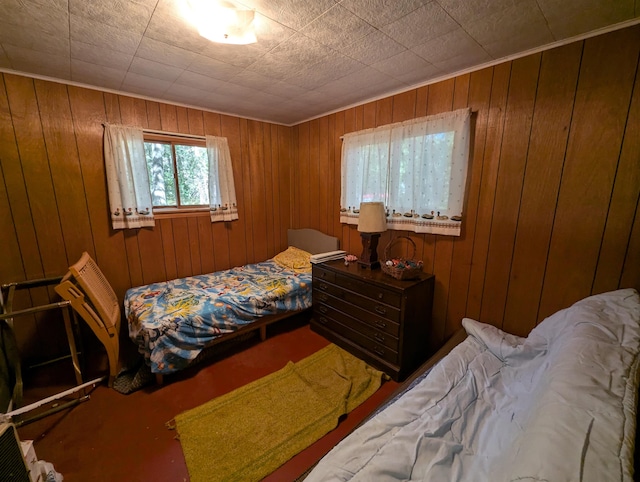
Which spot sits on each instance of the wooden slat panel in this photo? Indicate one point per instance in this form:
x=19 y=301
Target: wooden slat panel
x=369 y=112
x=182 y=245
x=133 y=112
x=169 y=117
x=286 y=141
x=302 y=175
x=630 y=276
x=205 y=243
x=246 y=192
x=495 y=126
x=626 y=190
x=479 y=97
x=154 y=120
x=404 y=106
x=151 y=252
x=168 y=248
x=354 y=248
x=212 y=126
x=294 y=174
x=194 y=246
x=314 y=176
x=11 y=262
x=182 y=117
x=196 y=122
x=236 y=229
x=17 y=192
x=333 y=196
x=421 y=101
x=547 y=147
x=604 y=91
x=439 y=248
x=88 y=109
x=57 y=125
x=325 y=175
x=271 y=188
x=257 y=195
x=358 y=112
x=44 y=216
x=440 y=97
x=513 y=155
x=37 y=173
x=337 y=156
x=384 y=111
x=446 y=249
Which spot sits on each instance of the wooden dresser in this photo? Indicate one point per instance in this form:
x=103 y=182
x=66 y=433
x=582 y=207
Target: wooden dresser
x=381 y=320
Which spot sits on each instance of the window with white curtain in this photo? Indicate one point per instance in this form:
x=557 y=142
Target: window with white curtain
x=146 y=173
x=417 y=168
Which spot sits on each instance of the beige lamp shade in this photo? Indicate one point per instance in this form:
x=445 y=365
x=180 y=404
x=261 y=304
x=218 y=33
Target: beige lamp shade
x=372 y=218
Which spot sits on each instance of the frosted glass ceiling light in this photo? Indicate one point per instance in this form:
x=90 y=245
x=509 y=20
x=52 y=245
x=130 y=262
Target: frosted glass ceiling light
x=221 y=21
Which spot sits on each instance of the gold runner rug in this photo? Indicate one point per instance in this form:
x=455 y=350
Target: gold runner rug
x=250 y=432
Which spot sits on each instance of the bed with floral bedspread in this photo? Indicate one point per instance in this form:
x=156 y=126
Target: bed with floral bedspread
x=172 y=322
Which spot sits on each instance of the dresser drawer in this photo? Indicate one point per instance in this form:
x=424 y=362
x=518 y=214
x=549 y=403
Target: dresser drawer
x=372 y=305
x=378 y=349
x=358 y=326
x=367 y=290
x=320 y=274
x=383 y=324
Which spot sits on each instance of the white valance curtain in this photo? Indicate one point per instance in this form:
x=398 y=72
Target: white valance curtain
x=222 y=192
x=417 y=168
x=127 y=178
x=130 y=199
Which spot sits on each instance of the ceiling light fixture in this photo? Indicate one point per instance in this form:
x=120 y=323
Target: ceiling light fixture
x=222 y=21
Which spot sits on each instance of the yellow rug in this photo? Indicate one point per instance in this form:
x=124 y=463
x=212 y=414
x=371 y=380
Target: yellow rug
x=248 y=433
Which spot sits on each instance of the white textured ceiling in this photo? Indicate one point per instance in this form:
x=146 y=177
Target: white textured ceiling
x=312 y=56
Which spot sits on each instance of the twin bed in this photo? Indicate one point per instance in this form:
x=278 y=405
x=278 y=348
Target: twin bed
x=172 y=322
x=557 y=405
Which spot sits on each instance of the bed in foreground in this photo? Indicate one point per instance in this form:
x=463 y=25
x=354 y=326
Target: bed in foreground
x=172 y=322
x=557 y=405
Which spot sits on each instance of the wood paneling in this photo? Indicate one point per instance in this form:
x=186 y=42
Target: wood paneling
x=551 y=210
x=54 y=202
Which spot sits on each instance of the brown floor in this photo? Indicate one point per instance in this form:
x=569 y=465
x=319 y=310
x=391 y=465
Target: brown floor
x=114 y=437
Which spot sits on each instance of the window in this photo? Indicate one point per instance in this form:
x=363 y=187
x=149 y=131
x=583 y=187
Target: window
x=178 y=171
x=416 y=168
x=149 y=171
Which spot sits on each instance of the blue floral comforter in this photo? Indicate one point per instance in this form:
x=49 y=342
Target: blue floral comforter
x=172 y=321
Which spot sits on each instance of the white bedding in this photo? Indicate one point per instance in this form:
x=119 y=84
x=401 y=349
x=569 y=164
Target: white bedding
x=558 y=405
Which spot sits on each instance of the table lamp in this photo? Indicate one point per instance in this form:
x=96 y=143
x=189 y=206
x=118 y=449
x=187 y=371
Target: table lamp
x=371 y=222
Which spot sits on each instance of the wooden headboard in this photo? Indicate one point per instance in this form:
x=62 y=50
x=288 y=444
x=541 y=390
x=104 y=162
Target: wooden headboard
x=312 y=241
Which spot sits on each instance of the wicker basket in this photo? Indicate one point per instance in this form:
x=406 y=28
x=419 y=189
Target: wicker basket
x=401 y=268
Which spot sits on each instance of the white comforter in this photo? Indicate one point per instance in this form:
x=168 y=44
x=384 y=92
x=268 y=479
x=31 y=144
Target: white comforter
x=559 y=405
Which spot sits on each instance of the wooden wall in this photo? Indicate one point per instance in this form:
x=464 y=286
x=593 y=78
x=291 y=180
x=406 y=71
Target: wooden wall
x=551 y=212
x=552 y=201
x=53 y=198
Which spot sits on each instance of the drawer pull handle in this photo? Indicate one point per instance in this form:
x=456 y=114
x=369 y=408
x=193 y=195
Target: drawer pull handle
x=323 y=320
x=381 y=310
x=379 y=337
x=323 y=286
x=322 y=309
x=323 y=297
x=380 y=295
x=381 y=324
x=379 y=351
